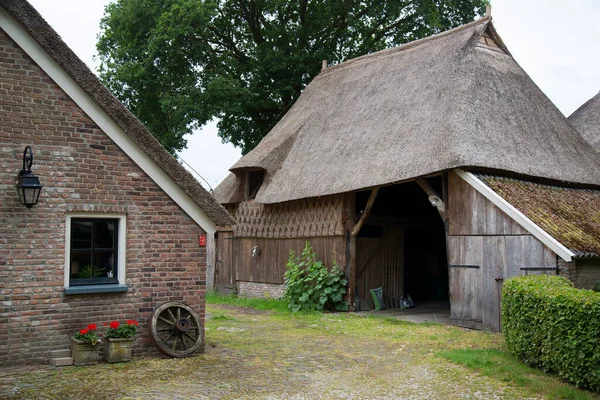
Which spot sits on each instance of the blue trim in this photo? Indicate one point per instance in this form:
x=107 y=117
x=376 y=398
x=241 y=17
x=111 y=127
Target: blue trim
x=89 y=289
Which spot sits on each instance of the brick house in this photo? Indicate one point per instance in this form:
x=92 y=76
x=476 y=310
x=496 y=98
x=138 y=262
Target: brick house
x=116 y=230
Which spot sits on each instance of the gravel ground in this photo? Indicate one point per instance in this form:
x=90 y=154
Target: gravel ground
x=260 y=355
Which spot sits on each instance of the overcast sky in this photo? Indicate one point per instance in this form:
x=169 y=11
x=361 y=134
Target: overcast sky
x=557 y=42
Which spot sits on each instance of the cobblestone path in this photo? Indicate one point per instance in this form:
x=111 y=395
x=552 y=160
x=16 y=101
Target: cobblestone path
x=261 y=355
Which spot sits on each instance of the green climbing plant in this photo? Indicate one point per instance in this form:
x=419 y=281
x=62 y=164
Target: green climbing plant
x=309 y=285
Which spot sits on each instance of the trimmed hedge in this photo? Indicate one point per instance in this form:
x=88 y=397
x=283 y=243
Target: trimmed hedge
x=551 y=325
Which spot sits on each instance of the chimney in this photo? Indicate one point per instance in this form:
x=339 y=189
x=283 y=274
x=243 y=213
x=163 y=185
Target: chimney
x=488 y=11
x=324 y=65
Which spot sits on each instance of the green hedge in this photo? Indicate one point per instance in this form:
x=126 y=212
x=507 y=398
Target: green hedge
x=551 y=325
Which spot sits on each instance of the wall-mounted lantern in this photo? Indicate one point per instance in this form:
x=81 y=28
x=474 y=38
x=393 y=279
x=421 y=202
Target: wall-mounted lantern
x=29 y=186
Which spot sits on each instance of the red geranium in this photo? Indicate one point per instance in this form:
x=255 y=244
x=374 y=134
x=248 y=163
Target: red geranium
x=87 y=334
x=117 y=330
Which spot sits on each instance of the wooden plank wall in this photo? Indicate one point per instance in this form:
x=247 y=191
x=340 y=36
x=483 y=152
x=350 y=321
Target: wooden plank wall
x=475 y=292
x=380 y=263
x=224 y=274
x=470 y=213
x=211 y=260
x=481 y=234
x=270 y=265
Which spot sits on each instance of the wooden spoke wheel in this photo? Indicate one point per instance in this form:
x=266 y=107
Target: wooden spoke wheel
x=176 y=329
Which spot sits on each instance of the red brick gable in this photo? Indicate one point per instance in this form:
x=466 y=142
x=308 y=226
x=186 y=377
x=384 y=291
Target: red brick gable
x=82 y=170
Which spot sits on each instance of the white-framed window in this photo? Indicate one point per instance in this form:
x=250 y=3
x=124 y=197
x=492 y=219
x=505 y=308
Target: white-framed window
x=95 y=252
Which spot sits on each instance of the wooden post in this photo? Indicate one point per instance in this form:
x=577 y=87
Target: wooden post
x=431 y=192
x=488 y=11
x=366 y=212
x=211 y=261
x=350 y=249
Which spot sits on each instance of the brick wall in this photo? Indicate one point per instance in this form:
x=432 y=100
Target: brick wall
x=82 y=170
x=583 y=272
x=566 y=269
x=260 y=290
x=587 y=273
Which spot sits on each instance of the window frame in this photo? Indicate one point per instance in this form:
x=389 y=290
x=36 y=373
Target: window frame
x=121 y=251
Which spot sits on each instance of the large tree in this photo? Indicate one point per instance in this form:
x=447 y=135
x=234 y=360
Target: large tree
x=179 y=63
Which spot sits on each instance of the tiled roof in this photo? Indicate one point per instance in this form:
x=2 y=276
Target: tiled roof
x=571 y=216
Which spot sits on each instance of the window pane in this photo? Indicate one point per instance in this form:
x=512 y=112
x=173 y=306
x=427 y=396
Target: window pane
x=104 y=234
x=104 y=263
x=81 y=234
x=80 y=262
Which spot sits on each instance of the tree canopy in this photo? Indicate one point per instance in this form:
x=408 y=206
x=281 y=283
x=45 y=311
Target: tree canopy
x=179 y=63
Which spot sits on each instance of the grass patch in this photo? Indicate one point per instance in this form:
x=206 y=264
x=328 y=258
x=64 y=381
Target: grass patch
x=222 y=317
x=277 y=354
x=505 y=367
x=278 y=305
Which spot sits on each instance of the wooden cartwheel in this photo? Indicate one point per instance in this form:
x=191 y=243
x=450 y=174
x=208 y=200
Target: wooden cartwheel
x=176 y=329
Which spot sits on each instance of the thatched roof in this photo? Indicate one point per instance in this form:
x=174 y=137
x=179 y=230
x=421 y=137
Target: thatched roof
x=586 y=119
x=571 y=216
x=51 y=42
x=439 y=103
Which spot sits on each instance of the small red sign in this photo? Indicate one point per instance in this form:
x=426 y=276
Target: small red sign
x=202 y=240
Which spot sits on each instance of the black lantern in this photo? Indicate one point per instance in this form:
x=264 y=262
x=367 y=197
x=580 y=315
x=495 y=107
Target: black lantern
x=29 y=186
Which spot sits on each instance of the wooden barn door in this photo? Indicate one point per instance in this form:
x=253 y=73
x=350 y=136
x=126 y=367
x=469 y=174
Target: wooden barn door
x=465 y=260
x=478 y=267
x=224 y=268
x=504 y=258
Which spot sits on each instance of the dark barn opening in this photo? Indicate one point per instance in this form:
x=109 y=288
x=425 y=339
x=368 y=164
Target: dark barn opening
x=401 y=246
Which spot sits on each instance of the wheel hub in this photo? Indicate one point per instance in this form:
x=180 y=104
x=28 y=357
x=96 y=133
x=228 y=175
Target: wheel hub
x=183 y=324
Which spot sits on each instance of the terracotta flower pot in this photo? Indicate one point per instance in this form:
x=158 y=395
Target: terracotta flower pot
x=117 y=350
x=84 y=353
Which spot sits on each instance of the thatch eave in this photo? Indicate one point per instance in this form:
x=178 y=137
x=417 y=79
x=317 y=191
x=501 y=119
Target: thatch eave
x=444 y=102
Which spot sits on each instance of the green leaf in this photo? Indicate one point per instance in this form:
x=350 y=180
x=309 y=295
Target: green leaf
x=177 y=64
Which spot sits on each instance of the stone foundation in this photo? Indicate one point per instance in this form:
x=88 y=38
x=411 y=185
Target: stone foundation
x=260 y=290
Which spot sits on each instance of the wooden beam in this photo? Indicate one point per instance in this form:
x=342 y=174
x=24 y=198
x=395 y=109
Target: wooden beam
x=350 y=248
x=384 y=220
x=441 y=207
x=427 y=187
x=365 y=213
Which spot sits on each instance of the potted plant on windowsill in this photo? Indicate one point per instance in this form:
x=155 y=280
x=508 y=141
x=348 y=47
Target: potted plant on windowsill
x=85 y=346
x=118 y=341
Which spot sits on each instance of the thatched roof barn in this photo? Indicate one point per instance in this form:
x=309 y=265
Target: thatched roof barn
x=586 y=119
x=457 y=99
x=356 y=164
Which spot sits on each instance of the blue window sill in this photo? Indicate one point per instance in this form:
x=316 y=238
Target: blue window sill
x=89 y=289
